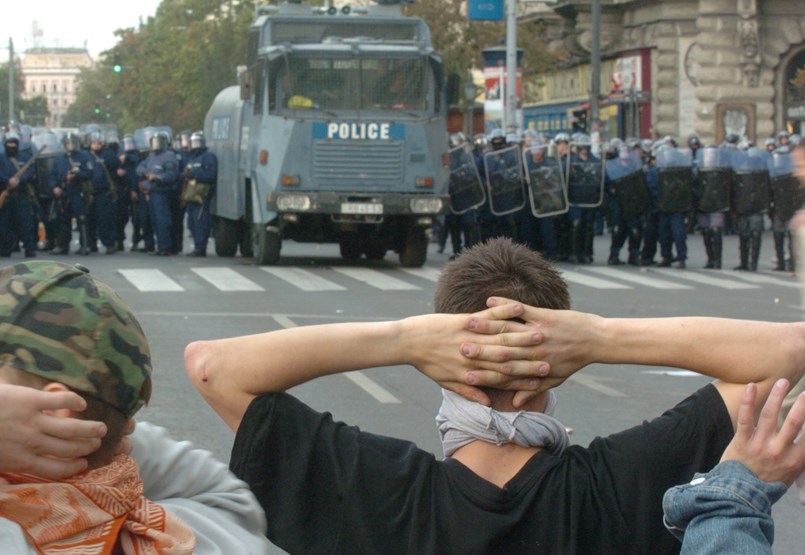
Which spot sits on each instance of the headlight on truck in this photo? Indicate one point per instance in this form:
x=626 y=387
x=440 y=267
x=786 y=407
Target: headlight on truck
x=293 y=203
x=426 y=205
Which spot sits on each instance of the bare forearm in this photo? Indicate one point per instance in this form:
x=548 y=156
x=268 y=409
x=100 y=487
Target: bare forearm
x=736 y=351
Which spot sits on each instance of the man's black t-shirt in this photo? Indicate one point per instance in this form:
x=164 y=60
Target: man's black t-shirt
x=328 y=487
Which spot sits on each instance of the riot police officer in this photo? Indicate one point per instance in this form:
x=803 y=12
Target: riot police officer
x=71 y=188
x=159 y=173
x=201 y=176
x=585 y=191
x=102 y=209
x=17 y=222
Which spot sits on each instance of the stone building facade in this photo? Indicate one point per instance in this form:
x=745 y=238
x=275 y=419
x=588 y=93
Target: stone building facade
x=53 y=73
x=680 y=67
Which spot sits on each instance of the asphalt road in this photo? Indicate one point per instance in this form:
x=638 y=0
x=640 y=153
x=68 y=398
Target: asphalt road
x=179 y=299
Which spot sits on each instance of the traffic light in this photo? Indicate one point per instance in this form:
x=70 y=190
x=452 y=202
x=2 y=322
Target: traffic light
x=117 y=68
x=97 y=108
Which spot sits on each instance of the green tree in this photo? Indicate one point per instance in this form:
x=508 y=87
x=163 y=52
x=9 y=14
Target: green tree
x=32 y=111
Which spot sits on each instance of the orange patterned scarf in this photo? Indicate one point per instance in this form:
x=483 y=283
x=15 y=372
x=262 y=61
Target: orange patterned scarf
x=93 y=512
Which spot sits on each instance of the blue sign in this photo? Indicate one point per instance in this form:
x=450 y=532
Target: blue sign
x=486 y=10
x=367 y=131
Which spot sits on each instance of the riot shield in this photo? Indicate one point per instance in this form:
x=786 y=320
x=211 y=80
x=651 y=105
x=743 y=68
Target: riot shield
x=750 y=182
x=504 y=178
x=44 y=163
x=628 y=182
x=786 y=192
x=466 y=189
x=675 y=179
x=714 y=179
x=546 y=190
x=585 y=181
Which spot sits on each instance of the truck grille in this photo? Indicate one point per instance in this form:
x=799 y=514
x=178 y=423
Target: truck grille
x=347 y=164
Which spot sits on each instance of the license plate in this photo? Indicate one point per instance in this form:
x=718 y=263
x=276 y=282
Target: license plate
x=361 y=208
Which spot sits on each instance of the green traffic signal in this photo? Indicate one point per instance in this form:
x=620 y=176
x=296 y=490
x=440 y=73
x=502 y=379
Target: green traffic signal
x=97 y=109
x=117 y=68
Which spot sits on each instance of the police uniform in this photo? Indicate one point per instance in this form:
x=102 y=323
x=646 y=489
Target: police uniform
x=201 y=176
x=17 y=221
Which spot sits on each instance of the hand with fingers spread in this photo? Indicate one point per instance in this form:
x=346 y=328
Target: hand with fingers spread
x=36 y=441
x=773 y=455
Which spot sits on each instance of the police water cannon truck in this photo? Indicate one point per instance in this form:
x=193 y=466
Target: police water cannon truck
x=336 y=133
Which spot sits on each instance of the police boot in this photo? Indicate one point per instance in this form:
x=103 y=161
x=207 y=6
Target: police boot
x=707 y=236
x=744 y=250
x=576 y=244
x=779 y=249
x=755 y=247
x=589 y=238
x=717 y=245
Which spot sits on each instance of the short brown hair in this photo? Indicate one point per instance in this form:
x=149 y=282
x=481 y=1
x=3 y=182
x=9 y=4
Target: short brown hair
x=503 y=268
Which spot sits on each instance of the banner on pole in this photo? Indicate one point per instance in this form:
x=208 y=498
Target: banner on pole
x=486 y=10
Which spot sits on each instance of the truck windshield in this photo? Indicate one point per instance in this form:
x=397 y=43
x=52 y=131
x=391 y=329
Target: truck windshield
x=333 y=84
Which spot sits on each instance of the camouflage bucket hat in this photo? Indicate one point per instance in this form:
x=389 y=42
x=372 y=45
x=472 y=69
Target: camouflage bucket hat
x=60 y=323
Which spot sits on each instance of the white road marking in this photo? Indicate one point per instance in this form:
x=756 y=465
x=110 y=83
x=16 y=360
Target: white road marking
x=752 y=277
x=150 y=280
x=705 y=279
x=593 y=383
x=430 y=274
x=591 y=281
x=640 y=278
x=376 y=279
x=678 y=373
x=227 y=279
x=303 y=279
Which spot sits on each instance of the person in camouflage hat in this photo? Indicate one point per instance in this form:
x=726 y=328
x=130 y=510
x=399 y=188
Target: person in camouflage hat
x=61 y=324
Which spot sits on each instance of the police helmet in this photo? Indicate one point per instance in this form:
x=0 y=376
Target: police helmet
x=497 y=138
x=129 y=143
x=795 y=139
x=732 y=139
x=646 y=145
x=95 y=137
x=770 y=142
x=26 y=132
x=13 y=127
x=480 y=141
x=197 y=140
x=159 y=141
x=457 y=139
x=694 y=142
x=782 y=135
x=671 y=141
x=184 y=139
x=72 y=142
x=633 y=142
x=561 y=138
x=513 y=138
x=111 y=139
x=583 y=140
x=11 y=137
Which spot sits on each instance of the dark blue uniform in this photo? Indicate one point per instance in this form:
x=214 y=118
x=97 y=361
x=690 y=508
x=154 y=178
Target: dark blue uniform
x=17 y=220
x=70 y=182
x=202 y=167
x=160 y=173
x=102 y=213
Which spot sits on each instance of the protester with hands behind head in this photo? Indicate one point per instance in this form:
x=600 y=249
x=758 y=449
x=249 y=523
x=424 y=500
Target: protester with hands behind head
x=509 y=475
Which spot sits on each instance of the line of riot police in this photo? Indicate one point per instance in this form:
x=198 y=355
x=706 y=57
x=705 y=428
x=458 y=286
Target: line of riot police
x=87 y=182
x=553 y=196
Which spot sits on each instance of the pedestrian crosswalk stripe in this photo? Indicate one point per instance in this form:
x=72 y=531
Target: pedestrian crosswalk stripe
x=303 y=279
x=430 y=274
x=705 y=279
x=376 y=279
x=150 y=280
x=227 y=279
x=640 y=278
x=372 y=388
x=752 y=277
x=591 y=281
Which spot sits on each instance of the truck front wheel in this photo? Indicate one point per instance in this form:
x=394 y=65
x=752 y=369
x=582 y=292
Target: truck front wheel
x=415 y=250
x=266 y=244
x=227 y=233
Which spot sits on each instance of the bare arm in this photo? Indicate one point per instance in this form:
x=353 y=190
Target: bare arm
x=229 y=373
x=734 y=352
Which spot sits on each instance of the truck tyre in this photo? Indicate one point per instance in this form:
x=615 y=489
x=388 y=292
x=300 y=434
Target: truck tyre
x=266 y=243
x=350 y=249
x=415 y=250
x=246 y=249
x=374 y=250
x=227 y=233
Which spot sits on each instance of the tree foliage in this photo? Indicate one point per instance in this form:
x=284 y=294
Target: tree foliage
x=179 y=59
x=33 y=111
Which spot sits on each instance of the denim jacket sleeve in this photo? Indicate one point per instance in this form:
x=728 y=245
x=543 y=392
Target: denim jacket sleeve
x=727 y=510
